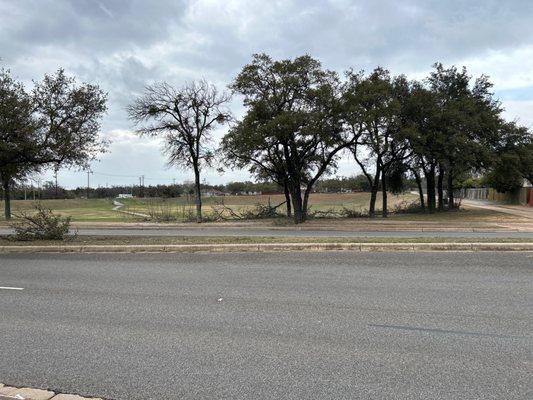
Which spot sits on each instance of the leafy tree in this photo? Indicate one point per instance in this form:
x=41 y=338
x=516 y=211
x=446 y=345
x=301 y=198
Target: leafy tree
x=185 y=118
x=421 y=114
x=469 y=120
x=373 y=114
x=244 y=147
x=56 y=124
x=505 y=175
x=292 y=130
x=16 y=127
x=396 y=177
x=513 y=158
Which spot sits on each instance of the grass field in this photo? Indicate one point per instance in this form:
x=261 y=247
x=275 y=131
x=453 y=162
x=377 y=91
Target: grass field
x=320 y=204
x=79 y=209
x=182 y=209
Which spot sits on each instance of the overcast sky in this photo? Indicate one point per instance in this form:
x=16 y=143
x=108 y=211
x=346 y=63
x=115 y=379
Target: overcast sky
x=123 y=45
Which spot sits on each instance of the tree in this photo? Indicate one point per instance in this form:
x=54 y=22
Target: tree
x=292 y=130
x=185 y=118
x=246 y=147
x=513 y=158
x=469 y=121
x=16 y=130
x=56 y=124
x=424 y=138
x=372 y=111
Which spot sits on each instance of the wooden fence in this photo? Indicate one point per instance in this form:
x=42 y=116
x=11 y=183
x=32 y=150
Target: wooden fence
x=522 y=196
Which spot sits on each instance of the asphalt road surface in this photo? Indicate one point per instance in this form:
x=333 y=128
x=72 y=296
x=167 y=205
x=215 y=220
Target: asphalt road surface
x=270 y=326
x=236 y=231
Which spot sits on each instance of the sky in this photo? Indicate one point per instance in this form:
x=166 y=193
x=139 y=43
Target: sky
x=122 y=45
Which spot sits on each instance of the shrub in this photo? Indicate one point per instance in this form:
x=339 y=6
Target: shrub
x=352 y=213
x=406 y=207
x=42 y=224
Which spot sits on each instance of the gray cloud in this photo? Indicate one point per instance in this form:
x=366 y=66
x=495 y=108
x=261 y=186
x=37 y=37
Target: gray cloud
x=124 y=44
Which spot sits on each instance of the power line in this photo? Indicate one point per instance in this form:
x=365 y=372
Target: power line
x=116 y=175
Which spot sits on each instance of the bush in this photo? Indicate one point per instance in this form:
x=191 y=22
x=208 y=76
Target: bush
x=353 y=213
x=42 y=224
x=406 y=207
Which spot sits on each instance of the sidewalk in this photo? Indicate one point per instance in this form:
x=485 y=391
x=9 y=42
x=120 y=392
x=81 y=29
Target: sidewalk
x=13 y=393
x=519 y=211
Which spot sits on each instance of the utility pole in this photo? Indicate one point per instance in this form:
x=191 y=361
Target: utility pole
x=38 y=181
x=141 y=186
x=55 y=176
x=88 y=183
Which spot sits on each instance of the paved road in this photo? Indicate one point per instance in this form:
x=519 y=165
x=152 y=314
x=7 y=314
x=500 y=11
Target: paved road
x=270 y=326
x=237 y=231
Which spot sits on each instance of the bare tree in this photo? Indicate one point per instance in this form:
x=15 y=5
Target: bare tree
x=185 y=118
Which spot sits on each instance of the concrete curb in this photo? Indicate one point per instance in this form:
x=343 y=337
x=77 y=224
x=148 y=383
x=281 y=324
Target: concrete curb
x=265 y=247
x=14 y=393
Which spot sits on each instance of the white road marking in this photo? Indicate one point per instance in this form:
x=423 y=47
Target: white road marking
x=11 y=288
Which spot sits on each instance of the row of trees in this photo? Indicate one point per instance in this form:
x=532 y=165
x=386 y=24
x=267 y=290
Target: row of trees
x=51 y=190
x=301 y=117
x=55 y=125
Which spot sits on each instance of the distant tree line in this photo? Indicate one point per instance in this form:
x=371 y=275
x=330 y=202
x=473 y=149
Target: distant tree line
x=49 y=190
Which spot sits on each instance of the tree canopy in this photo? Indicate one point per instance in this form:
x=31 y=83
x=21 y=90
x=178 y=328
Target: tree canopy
x=57 y=123
x=185 y=118
x=292 y=131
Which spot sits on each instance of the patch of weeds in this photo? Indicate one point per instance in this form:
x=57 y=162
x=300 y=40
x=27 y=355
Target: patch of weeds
x=406 y=207
x=42 y=224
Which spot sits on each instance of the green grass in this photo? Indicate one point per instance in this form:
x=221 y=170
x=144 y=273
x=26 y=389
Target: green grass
x=93 y=210
x=148 y=240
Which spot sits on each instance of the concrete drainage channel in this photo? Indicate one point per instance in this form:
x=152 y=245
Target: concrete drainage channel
x=265 y=247
x=13 y=393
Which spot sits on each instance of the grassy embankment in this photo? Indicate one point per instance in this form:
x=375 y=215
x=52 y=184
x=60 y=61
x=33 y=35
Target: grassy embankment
x=163 y=240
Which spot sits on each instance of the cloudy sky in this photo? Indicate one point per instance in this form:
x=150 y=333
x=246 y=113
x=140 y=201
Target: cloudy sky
x=124 y=44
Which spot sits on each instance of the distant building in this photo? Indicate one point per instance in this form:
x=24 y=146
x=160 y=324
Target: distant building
x=125 y=196
x=213 y=193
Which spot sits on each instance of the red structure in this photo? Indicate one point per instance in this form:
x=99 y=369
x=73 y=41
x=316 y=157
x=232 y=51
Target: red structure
x=530 y=197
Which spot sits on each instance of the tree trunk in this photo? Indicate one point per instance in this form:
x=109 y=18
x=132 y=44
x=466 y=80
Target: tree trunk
x=420 y=190
x=287 y=199
x=197 y=194
x=430 y=183
x=451 y=199
x=385 y=211
x=7 y=199
x=306 y=201
x=296 y=194
x=374 y=193
x=440 y=180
